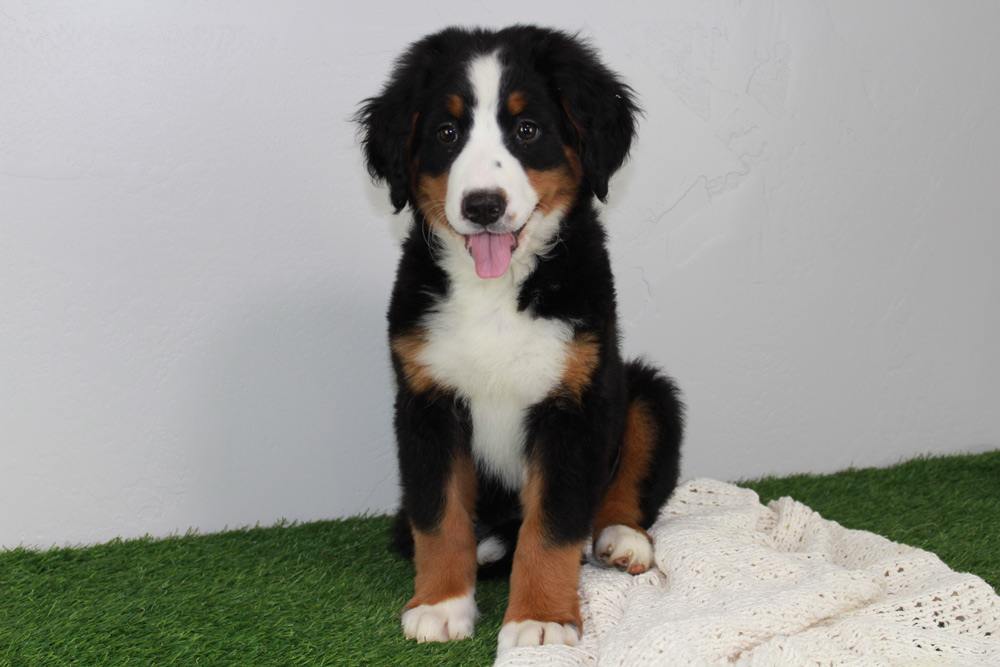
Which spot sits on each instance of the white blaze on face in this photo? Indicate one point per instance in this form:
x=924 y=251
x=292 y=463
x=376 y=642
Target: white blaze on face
x=500 y=358
x=485 y=164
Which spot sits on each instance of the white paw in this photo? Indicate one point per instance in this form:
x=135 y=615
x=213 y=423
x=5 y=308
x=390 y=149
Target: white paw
x=451 y=619
x=624 y=548
x=536 y=633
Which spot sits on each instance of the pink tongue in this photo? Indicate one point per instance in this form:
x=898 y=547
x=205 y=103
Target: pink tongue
x=490 y=252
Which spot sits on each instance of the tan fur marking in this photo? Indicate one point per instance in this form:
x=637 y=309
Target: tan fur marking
x=445 y=558
x=413 y=132
x=621 y=502
x=557 y=188
x=581 y=360
x=569 y=114
x=516 y=102
x=544 y=578
x=575 y=165
x=407 y=348
x=430 y=192
x=455 y=106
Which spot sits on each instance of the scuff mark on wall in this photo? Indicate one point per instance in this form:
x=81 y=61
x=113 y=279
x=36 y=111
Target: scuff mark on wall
x=770 y=80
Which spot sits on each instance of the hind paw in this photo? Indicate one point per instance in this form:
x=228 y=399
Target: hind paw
x=624 y=548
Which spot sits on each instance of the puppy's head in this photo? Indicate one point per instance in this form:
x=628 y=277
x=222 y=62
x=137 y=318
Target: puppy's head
x=493 y=136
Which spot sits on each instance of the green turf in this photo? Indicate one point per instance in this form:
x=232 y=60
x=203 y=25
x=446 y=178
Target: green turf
x=328 y=593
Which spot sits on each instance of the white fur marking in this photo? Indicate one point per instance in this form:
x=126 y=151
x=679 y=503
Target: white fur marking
x=616 y=542
x=490 y=550
x=536 y=633
x=485 y=163
x=451 y=619
x=500 y=360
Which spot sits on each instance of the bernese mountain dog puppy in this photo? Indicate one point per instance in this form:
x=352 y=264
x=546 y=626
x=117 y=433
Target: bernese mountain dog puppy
x=521 y=432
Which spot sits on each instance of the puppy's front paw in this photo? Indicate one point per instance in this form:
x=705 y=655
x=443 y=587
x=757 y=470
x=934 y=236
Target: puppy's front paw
x=440 y=622
x=624 y=548
x=536 y=633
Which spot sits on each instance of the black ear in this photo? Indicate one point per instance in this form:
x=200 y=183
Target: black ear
x=388 y=122
x=599 y=106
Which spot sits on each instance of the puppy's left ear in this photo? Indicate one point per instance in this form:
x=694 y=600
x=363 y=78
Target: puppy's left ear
x=600 y=108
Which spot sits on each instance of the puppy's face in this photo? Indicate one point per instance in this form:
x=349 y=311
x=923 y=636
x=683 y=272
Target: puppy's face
x=493 y=136
x=490 y=165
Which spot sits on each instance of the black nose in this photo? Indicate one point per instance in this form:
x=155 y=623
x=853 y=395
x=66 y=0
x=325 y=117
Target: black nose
x=484 y=207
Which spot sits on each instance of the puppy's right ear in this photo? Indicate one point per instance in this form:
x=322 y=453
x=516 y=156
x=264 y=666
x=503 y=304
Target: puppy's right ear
x=388 y=122
x=386 y=134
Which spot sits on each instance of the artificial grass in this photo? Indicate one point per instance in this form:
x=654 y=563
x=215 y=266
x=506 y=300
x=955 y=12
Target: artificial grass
x=329 y=593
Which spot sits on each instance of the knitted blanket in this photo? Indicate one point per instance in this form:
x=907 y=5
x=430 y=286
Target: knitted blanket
x=738 y=582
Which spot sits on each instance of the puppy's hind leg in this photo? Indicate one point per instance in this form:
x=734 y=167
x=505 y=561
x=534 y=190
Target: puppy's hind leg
x=646 y=474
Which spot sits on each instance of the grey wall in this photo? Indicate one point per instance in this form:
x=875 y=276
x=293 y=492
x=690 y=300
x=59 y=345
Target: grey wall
x=194 y=267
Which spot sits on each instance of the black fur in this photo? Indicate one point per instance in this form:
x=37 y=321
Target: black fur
x=601 y=112
x=576 y=442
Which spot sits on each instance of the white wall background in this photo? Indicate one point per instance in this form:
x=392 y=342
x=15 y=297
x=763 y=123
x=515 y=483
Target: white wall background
x=194 y=267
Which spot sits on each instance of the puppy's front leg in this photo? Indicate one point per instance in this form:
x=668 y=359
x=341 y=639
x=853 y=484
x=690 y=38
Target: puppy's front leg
x=443 y=605
x=439 y=496
x=544 y=607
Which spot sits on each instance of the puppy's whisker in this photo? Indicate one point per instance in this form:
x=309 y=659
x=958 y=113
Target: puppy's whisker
x=436 y=219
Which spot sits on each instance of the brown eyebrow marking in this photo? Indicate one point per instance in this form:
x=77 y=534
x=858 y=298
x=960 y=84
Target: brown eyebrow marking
x=516 y=102
x=455 y=106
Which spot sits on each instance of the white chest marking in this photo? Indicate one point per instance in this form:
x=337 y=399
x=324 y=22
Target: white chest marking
x=500 y=360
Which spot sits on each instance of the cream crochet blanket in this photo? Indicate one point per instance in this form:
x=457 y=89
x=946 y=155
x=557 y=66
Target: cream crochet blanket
x=737 y=582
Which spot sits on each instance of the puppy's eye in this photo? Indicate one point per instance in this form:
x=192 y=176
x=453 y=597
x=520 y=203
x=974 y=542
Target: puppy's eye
x=527 y=131
x=447 y=134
